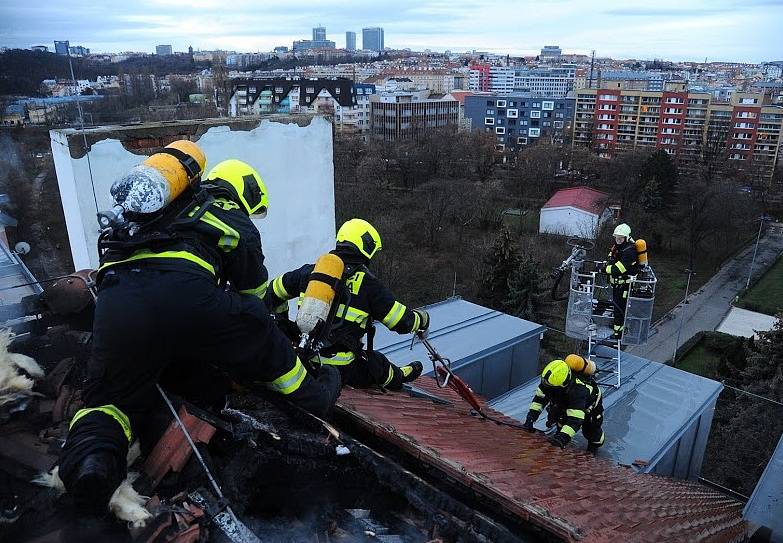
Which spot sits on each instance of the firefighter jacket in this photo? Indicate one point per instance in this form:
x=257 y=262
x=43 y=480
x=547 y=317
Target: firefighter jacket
x=622 y=262
x=211 y=236
x=570 y=405
x=363 y=299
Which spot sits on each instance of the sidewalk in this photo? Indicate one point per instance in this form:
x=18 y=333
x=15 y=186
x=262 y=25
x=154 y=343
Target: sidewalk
x=708 y=305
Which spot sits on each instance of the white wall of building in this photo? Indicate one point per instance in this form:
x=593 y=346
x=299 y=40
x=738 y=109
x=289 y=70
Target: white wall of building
x=568 y=221
x=295 y=162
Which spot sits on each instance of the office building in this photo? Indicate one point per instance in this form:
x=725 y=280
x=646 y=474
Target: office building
x=61 y=47
x=163 y=50
x=350 y=41
x=372 y=38
x=406 y=117
x=319 y=33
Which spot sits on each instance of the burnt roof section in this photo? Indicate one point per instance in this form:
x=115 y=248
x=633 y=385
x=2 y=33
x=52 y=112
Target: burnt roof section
x=569 y=493
x=145 y=138
x=340 y=88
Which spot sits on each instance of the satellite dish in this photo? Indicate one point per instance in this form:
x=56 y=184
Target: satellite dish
x=22 y=248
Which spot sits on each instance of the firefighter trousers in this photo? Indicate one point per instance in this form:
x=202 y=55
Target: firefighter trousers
x=148 y=319
x=372 y=369
x=619 y=301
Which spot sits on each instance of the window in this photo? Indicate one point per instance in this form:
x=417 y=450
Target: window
x=559 y=115
x=549 y=106
x=522 y=140
x=535 y=114
x=252 y=90
x=490 y=103
x=278 y=89
x=536 y=104
x=558 y=124
x=490 y=112
x=749 y=101
x=534 y=132
x=501 y=103
x=489 y=120
x=512 y=113
x=500 y=130
x=523 y=123
x=310 y=90
x=337 y=90
x=500 y=147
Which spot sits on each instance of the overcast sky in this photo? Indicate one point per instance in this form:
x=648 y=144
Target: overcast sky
x=739 y=30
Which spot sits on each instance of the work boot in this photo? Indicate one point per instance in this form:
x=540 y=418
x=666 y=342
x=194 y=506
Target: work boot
x=592 y=448
x=96 y=479
x=412 y=371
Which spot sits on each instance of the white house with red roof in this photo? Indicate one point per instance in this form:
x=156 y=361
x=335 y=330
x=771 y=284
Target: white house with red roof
x=576 y=211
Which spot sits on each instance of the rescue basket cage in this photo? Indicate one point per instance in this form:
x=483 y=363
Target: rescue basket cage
x=590 y=312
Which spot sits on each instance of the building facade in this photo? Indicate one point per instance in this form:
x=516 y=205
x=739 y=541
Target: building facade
x=319 y=33
x=163 y=50
x=408 y=119
x=478 y=79
x=350 y=41
x=545 y=81
x=520 y=119
x=372 y=38
x=61 y=47
x=681 y=123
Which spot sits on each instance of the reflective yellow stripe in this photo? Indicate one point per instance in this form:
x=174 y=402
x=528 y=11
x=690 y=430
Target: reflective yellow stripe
x=567 y=430
x=355 y=282
x=621 y=267
x=339 y=359
x=389 y=377
x=576 y=413
x=279 y=289
x=259 y=291
x=609 y=269
x=291 y=380
x=416 y=322
x=110 y=410
x=535 y=406
x=540 y=393
x=144 y=254
x=394 y=315
x=230 y=238
x=352 y=314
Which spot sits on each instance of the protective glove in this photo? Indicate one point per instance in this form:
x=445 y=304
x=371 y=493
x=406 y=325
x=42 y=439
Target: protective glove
x=424 y=322
x=559 y=440
x=529 y=425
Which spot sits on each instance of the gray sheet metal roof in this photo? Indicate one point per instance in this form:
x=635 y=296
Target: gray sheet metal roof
x=459 y=330
x=13 y=272
x=644 y=418
x=765 y=506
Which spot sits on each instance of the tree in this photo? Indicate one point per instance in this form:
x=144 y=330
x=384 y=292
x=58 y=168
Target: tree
x=659 y=177
x=526 y=293
x=498 y=264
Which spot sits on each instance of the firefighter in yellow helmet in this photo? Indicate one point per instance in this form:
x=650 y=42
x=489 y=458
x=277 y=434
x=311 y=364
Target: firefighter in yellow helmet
x=622 y=264
x=573 y=403
x=182 y=289
x=364 y=300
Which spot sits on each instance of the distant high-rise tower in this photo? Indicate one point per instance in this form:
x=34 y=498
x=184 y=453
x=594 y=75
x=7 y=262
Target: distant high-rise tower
x=319 y=33
x=372 y=38
x=61 y=47
x=350 y=41
x=163 y=50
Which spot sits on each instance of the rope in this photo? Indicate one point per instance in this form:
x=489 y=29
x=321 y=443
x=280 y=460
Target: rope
x=84 y=136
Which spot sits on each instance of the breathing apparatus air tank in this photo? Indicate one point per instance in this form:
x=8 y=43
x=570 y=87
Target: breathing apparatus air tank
x=156 y=182
x=641 y=252
x=319 y=294
x=579 y=364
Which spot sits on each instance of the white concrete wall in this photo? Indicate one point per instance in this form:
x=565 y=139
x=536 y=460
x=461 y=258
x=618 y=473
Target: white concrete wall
x=295 y=162
x=568 y=221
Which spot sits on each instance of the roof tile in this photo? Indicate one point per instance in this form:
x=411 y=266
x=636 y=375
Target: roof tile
x=569 y=493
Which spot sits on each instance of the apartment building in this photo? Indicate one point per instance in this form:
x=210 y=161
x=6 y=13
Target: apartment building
x=545 y=81
x=681 y=123
x=519 y=119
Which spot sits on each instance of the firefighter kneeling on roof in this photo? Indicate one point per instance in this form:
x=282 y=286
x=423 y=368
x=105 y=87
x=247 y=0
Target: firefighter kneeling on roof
x=179 y=289
x=360 y=298
x=573 y=401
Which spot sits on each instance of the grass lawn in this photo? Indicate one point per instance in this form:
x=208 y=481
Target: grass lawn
x=766 y=296
x=700 y=361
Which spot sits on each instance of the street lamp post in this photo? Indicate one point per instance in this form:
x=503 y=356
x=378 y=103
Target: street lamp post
x=755 y=250
x=682 y=316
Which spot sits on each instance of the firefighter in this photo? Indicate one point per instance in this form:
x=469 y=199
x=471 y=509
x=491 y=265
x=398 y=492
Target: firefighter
x=364 y=299
x=572 y=402
x=622 y=264
x=188 y=295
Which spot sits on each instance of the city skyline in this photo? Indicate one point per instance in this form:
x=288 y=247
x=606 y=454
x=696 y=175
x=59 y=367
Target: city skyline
x=726 y=30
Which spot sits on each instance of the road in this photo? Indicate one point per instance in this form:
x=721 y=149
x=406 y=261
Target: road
x=707 y=306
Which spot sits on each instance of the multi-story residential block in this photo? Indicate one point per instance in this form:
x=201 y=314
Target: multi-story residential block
x=519 y=119
x=681 y=123
x=356 y=119
x=545 y=81
x=407 y=118
x=479 y=77
x=372 y=38
x=501 y=79
x=163 y=50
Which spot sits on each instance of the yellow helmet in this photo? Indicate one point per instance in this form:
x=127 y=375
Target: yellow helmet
x=190 y=155
x=242 y=183
x=361 y=235
x=556 y=374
